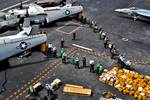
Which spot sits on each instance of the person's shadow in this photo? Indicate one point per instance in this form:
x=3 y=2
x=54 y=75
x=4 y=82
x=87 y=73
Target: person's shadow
x=53 y=97
x=2 y=87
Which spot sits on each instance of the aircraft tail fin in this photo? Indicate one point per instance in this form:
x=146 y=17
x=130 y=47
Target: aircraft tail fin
x=26 y=31
x=26 y=27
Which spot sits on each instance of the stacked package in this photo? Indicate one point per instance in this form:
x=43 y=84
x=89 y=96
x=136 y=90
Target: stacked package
x=128 y=82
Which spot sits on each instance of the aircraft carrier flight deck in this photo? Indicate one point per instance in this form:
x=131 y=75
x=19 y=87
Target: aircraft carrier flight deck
x=131 y=37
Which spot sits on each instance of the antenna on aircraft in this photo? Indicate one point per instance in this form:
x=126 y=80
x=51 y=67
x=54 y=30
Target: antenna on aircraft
x=27 y=13
x=21 y=4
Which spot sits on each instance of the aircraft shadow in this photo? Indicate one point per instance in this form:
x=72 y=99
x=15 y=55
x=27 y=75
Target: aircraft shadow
x=54 y=23
x=142 y=20
x=5 y=64
x=6 y=29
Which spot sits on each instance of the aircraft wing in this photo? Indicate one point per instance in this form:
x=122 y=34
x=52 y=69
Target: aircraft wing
x=26 y=26
x=27 y=30
x=144 y=13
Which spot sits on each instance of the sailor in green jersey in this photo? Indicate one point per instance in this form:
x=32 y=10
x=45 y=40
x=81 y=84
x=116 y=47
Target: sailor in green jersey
x=76 y=62
x=106 y=42
x=103 y=35
x=62 y=51
x=97 y=67
x=64 y=57
x=101 y=70
x=94 y=25
x=30 y=89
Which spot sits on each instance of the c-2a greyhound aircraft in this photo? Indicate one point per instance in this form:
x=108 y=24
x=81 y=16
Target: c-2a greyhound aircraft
x=15 y=44
x=40 y=15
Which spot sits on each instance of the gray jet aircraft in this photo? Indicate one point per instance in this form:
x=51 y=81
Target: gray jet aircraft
x=135 y=13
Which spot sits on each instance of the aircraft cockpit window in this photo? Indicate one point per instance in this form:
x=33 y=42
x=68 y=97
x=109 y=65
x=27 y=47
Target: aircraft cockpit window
x=133 y=8
x=25 y=33
x=4 y=17
x=12 y=13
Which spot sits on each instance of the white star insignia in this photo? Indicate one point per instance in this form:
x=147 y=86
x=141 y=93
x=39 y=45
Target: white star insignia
x=23 y=45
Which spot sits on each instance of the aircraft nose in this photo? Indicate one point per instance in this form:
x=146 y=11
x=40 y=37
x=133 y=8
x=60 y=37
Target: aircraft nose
x=118 y=10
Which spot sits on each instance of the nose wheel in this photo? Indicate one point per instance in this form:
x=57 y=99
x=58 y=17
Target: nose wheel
x=135 y=18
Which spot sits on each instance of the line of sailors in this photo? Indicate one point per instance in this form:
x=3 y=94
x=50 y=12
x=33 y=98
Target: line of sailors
x=122 y=61
x=75 y=60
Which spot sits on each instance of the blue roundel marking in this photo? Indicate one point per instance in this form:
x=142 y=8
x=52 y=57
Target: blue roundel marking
x=23 y=45
x=67 y=12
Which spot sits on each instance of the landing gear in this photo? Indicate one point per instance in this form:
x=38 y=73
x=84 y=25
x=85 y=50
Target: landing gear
x=43 y=23
x=135 y=18
x=25 y=54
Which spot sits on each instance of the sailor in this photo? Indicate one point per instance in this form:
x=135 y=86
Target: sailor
x=84 y=61
x=50 y=48
x=31 y=91
x=111 y=46
x=128 y=64
x=99 y=30
x=55 y=52
x=74 y=36
x=106 y=38
x=62 y=43
x=100 y=33
x=73 y=59
x=114 y=53
x=121 y=59
x=81 y=19
x=77 y=62
x=94 y=25
x=106 y=42
x=64 y=57
x=101 y=70
x=103 y=35
x=91 y=62
x=98 y=64
x=62 y=51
